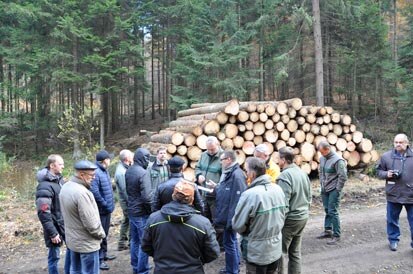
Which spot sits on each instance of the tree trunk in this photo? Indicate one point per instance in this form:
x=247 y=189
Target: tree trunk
x=318 y=52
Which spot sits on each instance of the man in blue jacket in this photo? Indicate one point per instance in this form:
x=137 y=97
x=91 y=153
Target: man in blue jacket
x=103 y=192
x=396 y=166
x=228 y=192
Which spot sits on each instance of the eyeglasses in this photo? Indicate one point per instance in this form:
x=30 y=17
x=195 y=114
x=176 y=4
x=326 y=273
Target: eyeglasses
x=89 y=174
x=222 y=159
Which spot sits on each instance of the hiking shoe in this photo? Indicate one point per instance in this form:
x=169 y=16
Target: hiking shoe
x=325 y=234
x=334 y=241
x=393 y=246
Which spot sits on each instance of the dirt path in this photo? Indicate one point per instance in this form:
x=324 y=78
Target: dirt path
x=363 y=248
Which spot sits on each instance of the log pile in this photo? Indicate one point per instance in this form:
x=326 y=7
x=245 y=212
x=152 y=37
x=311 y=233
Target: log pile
x=243 y=125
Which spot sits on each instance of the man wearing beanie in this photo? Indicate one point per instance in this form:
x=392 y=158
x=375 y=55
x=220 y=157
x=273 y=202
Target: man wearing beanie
x=194 y=242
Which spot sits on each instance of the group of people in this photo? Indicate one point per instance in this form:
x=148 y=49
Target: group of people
x=183 y=225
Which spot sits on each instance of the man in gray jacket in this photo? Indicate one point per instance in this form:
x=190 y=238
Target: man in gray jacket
x=396 y=166
x=84 y=231
x=259 y=218
x=126 y=160
x=297 y=189
x=333 y=175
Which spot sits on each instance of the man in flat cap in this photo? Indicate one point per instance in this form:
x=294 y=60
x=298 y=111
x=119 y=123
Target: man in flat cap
x=83 y=229
x=193 y=243
x=272 y=169
x=103 y=192
x=163 y=193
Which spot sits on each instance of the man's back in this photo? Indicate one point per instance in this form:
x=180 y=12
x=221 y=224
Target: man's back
x=192 y=245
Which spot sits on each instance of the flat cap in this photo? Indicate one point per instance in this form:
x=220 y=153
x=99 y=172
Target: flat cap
x=85 y=165
x=262 y=148
x=176 y=162
x=103 y=155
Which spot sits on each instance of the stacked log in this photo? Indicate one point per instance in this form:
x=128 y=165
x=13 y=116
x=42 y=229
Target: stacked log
x=242 y=126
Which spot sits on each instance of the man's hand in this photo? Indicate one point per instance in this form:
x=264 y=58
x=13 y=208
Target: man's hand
x=201 y=179
x=56 y=239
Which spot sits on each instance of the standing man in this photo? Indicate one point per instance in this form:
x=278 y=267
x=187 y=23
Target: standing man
x=259 y=218
x=126 y=160
x=103 y=192
x=138 y=187
x=84 y=230
x=163 y=194
x=159 y=170
x=396 y=166
x=177 y=237
x=333 y=175
x=209 y=168
x=297 y=189
x=228 y=192
x=272 y=169
x=50 y=181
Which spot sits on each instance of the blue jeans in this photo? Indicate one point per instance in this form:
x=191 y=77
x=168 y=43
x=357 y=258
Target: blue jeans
x=53 y=258
x=232 y=255
x=393 y=228
x=331 y=203
x=139 y=259
x=84 y=263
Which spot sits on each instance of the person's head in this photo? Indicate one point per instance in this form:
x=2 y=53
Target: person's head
x=212 y=145
x=228 y=157
x=184 y=192
x=255 y=167
x=401 y=142
x=104 y=158
x=286 y=156
x=141 y=157
x=324 y=147
x=261 y=151
x=175 y=164
x=161 y=154
x=55 y=164
x=126 y=157
x=85 y=171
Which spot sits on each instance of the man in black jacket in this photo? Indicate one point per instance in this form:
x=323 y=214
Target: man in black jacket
x=138 y=188
x=193 y=243
x=48 y=210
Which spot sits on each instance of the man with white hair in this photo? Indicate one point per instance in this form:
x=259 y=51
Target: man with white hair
x=126 y=160
x=395 y=167
x=272 y=169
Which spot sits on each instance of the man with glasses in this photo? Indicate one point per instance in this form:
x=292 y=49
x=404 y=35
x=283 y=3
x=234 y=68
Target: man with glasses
x=228 y=192
x=48 y=210
x=83 y=228
x=396 y=166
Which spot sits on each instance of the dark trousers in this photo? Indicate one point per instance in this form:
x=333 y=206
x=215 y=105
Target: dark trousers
x=291 y=245
x=393 y=214
x=105 y=221
x=262 y=269
x=331 y=203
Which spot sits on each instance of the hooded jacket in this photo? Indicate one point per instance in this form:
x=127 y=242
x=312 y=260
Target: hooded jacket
x=138 y=185
x=163 y=194
x=228 y=192
x=102 y=190
x=179 y=240
x=84 y=231
x=333 y=172
x=48 y=205
x=397 y=190
x=259 y=218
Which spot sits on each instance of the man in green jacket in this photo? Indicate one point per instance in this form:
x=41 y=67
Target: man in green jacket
x=297 y=189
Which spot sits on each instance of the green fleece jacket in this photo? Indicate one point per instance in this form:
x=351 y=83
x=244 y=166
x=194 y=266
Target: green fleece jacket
x=297 y=189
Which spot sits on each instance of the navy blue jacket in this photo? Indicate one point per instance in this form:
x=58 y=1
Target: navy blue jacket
x=138 y=185
x=48 y=205
x=228 y=192
x=102 y=190
x=163 y=194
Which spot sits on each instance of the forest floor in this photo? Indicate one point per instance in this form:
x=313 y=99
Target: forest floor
x=363 y=249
